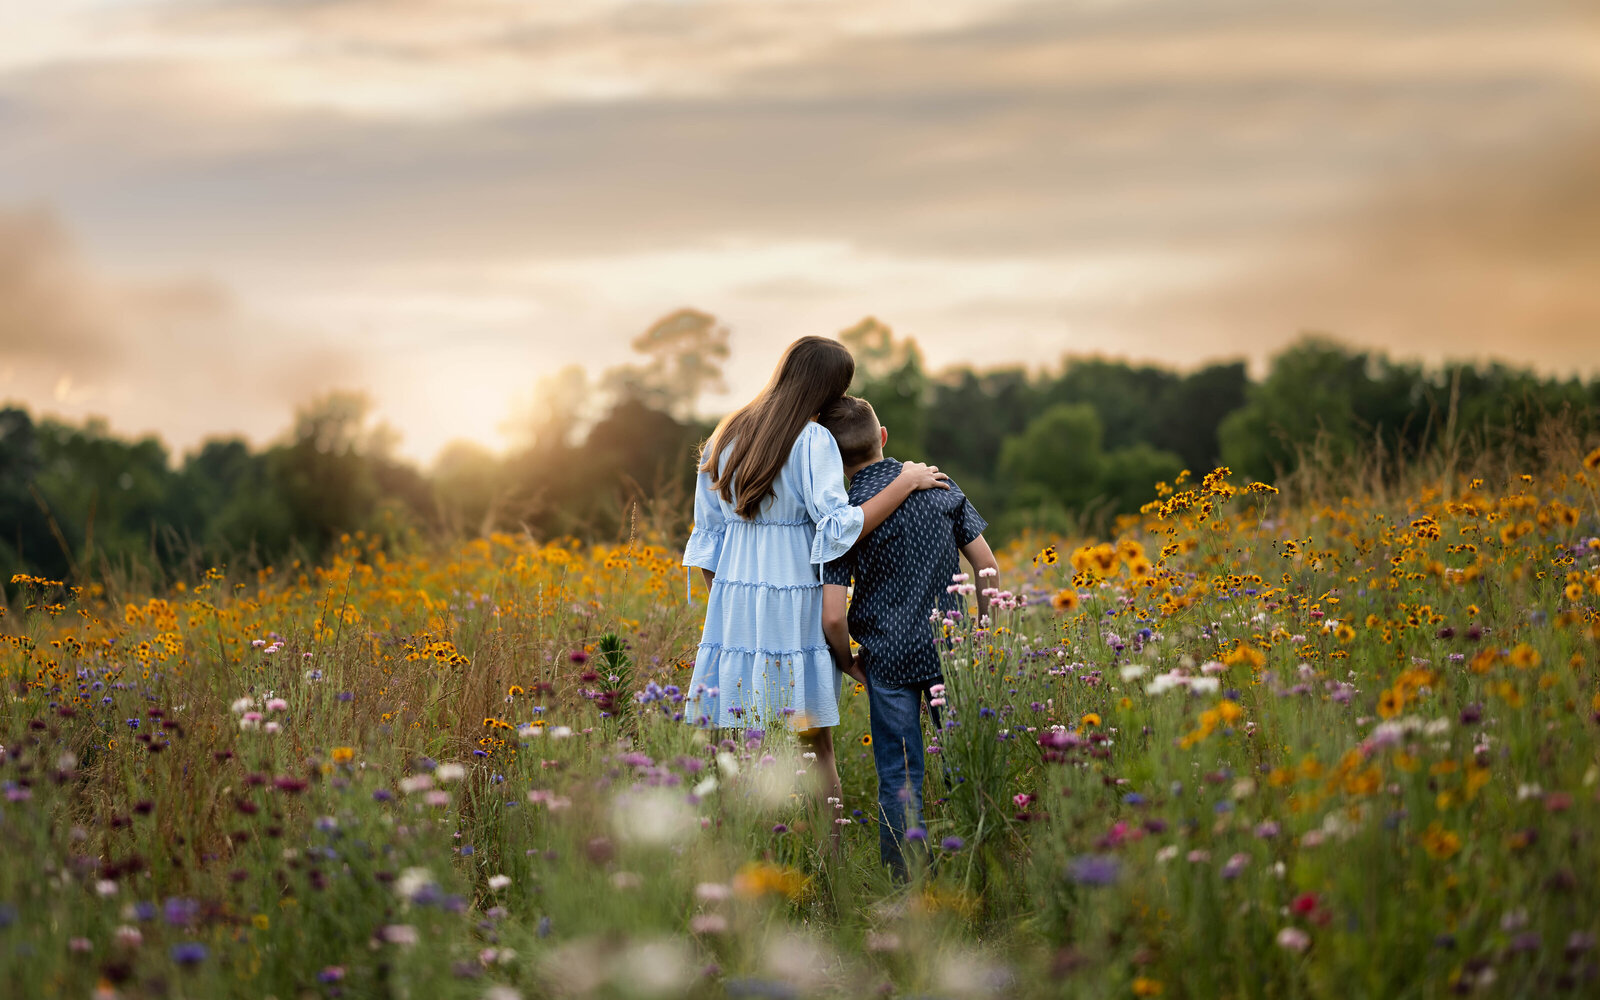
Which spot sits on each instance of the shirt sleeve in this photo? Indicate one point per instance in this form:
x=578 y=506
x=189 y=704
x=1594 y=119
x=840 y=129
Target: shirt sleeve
x=969 y=524
x=828 y=504
x=705 y=541
x=840 y=571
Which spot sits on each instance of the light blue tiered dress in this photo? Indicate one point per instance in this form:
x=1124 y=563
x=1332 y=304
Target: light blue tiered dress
x=763 y=660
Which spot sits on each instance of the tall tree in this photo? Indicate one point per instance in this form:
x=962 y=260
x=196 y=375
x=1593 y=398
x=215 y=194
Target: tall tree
x=1308 y=396
x=1189 y=412
x=890 y=376
x=970 y=413
x=230 y=494
x=1058 y=455
x=26 y=541
x=686 y=350
x=1124 y=396
x=328 y=479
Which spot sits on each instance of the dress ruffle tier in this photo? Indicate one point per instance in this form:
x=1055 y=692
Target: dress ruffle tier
x=762 y=659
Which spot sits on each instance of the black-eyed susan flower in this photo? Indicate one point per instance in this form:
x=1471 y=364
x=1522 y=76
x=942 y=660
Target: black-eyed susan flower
x=1390 y=703
x=1441 y=844
x=1248 y=655
x=1103 y=558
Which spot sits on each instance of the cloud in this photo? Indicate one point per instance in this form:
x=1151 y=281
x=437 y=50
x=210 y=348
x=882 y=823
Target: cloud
x=466 y=195
x=178 y=355
x=50 y=314
x=427 y=58
x=1492 y=259
x=960 y=129
x=432 y=59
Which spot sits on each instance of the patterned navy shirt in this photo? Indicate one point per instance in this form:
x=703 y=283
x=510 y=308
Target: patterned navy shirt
x=901 y=570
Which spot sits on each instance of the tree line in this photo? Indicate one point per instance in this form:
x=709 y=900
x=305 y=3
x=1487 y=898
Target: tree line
x=1060 y=450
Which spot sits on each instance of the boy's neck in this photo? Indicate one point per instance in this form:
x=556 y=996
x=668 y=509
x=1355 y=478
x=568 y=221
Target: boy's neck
x=850 y=471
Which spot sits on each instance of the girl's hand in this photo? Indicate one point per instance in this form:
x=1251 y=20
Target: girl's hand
x=922 y=477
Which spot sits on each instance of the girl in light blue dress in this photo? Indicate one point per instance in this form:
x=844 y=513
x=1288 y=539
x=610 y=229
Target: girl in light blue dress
x=770 y=508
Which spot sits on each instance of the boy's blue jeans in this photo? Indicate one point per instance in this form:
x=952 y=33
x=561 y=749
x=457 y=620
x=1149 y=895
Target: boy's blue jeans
x=898 y=755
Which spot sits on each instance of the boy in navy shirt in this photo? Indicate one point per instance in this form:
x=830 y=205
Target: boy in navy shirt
x=901 y=574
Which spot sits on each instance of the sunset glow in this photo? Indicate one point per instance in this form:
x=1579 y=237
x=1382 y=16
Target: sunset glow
x=212 y=212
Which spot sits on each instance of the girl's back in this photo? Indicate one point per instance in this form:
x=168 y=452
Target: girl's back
x=762 y=657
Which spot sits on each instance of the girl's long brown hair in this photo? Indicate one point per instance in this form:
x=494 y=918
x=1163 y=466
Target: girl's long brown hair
x=813 y=372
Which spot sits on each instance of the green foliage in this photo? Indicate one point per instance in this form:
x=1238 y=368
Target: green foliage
x=1321 y=401
x=1188 y=413
x=1039 y=450
x=1057 y=455
x=1127 y=474
x=1057 y=464
x=1315 y=389
x=972 y=410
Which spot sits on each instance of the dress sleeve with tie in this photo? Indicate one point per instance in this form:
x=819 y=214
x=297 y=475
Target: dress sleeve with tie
x=710 y=525
x=838 y=522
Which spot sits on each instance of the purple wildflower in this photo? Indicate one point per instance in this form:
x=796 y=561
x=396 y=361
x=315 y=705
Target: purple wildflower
x=189 y=953
x=1094 y=869
x=1526 y=941
x=180 y=912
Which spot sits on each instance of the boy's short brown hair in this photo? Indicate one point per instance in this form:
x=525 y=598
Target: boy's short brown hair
x=854 y=425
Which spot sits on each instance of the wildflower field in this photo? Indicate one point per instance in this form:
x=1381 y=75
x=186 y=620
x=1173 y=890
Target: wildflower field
x=1247 y=747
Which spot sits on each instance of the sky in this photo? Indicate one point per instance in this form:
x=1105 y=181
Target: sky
x=212 y=211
